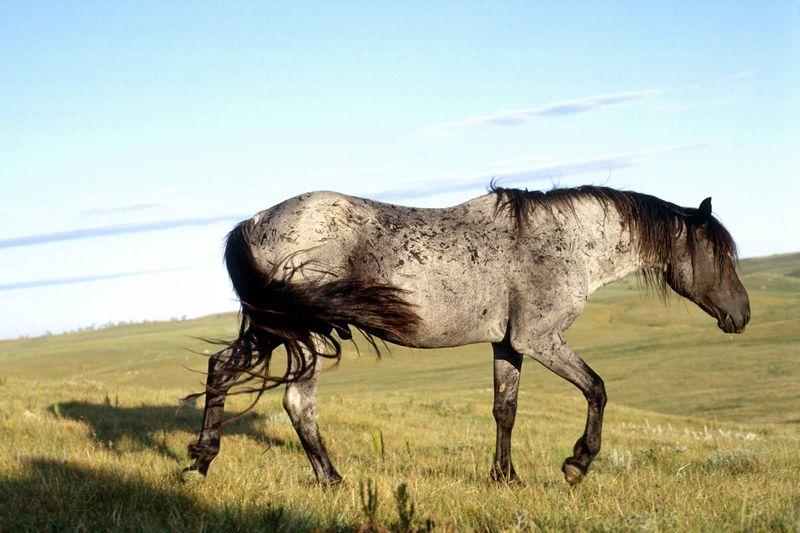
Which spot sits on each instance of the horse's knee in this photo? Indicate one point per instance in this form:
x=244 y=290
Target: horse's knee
x=503 y=407
x=504 y=411
x=602 y=397
x=597 y=392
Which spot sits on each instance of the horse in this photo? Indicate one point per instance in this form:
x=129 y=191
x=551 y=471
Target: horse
x=513 y=268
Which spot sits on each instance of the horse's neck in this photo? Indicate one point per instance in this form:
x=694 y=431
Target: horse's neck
x=611 y=250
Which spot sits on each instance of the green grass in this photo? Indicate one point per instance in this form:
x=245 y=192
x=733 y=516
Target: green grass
x=702 y=430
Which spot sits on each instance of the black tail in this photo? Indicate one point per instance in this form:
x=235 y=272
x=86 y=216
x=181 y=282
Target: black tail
x=278 y=308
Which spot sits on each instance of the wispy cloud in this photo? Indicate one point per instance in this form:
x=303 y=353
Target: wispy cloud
x=79 y=279
x=117 y=229
x=519 y=117
x=520 y=172
x=515 y=172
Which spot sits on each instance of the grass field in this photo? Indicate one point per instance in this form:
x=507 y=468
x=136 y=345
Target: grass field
x=702 y=429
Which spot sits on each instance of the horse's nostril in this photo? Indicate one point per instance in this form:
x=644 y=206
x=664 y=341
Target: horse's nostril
x=728 y=324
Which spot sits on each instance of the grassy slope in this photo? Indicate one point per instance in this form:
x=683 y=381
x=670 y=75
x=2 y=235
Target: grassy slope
x=91 y=437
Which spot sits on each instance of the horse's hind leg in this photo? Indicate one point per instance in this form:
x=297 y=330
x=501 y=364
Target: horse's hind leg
x=299 y=400
x=554 y=353
x=219 y=381
x=507 y=366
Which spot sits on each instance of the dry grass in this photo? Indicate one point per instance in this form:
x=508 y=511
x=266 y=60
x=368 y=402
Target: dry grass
x=75 y=458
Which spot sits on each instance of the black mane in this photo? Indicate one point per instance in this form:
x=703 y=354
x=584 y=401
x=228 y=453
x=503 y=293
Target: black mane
x=651 y=220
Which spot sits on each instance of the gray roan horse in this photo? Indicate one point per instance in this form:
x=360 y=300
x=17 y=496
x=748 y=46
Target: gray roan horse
x=512 y=267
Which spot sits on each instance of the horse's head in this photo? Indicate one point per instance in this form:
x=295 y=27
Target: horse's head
x=702 y=269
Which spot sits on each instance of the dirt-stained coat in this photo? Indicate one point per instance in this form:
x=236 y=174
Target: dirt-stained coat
x=513 y=268
x=465 y=268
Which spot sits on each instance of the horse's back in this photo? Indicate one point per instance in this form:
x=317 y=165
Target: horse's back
x=449 y=262
x=327 y=224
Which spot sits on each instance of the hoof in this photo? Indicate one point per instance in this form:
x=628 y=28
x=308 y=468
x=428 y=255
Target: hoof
x=333 y=481
x=512 y=482
x=572 y=473
x=330 y=478
x=498 y=477
x=189 y=476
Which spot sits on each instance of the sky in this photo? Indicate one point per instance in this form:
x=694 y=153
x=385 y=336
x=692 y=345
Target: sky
x=134 y=135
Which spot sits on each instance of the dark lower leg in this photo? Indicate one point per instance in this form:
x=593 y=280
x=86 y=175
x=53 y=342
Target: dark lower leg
x=217 y=385
x=554 y=353
x=507 y=366
x=587 y=447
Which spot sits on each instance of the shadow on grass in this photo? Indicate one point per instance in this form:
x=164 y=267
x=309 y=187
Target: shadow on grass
x=148 y=425
x=59 y=496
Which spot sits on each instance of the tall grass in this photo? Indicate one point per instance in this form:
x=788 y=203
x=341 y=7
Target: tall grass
x=90 y=465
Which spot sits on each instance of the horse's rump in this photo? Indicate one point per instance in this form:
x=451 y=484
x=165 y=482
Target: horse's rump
x=280 y=306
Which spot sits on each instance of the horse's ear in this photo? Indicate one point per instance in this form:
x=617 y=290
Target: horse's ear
x=703 y=213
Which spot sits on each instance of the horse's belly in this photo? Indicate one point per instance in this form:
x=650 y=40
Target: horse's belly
x=456 y=311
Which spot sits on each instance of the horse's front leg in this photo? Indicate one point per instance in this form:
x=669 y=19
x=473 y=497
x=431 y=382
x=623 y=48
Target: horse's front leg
x=507 y=366
x=554 y=353
x=299 y=400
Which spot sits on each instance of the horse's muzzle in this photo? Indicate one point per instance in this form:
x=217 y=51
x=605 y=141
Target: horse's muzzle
x=730 y=325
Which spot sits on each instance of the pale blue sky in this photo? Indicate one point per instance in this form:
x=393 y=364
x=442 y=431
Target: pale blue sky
x=133 y=135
